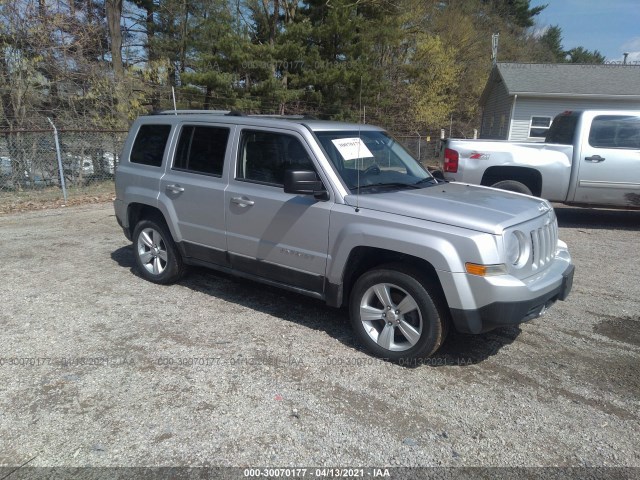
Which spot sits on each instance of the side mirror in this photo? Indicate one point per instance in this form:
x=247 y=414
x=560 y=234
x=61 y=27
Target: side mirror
x=304 y=182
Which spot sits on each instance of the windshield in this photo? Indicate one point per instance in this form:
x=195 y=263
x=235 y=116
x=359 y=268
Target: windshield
x=367 y=159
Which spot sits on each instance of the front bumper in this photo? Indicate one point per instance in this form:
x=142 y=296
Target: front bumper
x=500 y=314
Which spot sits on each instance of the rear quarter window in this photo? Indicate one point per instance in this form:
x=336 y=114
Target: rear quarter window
x=149 y=145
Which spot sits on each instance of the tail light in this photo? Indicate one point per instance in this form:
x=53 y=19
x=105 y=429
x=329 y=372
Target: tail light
x=451 y=158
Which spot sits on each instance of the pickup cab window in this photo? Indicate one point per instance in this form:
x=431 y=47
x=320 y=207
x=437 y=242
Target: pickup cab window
x=615 y=131
x=563 y=130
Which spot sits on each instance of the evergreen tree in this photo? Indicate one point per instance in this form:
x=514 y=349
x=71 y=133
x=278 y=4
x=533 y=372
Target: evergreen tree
x=518 y=12
x=551 y=43
x=582 y=55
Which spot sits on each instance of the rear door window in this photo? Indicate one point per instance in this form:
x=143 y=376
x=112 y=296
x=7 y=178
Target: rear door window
x=201 y=150
x=149 y=145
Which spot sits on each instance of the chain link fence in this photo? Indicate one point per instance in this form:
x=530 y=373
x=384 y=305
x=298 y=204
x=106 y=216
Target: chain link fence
x=424 y=148
x=29 y=158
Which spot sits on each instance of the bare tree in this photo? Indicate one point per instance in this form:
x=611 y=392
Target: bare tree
x=114 y=15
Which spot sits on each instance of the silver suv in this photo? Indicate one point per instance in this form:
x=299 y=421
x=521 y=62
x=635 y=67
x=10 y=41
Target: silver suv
x=339 y=212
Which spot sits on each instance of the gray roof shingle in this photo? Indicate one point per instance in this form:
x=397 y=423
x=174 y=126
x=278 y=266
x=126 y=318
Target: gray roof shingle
x=571 y=79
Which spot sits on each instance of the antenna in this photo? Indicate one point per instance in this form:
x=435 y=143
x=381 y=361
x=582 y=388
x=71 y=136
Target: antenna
x=173 y=94
x=358 y=159
x=360 y=99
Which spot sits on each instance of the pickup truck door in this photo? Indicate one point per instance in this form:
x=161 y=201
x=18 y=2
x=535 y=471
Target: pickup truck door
x=609 y=162
x=270 y=233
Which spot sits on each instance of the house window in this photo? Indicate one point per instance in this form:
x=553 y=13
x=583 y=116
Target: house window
x=539 y=127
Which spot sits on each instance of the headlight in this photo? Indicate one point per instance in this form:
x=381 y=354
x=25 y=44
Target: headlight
x=517 y=249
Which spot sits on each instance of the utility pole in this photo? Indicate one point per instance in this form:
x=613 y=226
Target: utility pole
x=494 y=48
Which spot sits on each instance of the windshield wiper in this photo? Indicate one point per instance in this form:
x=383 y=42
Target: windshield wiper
x=388 y=184
x=433 y=180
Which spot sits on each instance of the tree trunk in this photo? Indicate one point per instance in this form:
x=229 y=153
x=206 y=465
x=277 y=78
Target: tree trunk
x=114 y=15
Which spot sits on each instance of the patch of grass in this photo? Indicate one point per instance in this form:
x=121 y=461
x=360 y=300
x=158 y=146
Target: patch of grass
x=51 y=197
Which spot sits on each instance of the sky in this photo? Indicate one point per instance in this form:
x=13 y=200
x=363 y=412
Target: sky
x=610 y=26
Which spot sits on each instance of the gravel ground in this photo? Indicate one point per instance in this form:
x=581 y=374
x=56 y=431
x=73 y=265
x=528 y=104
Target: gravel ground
x=101 y=368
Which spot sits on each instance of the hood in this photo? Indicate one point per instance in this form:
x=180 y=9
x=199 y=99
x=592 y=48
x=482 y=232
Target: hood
x=458 y=204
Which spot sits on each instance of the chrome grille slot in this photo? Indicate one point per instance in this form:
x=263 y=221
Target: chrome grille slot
x=535 y=243
x=543 y=243
x=552 y=244
x=545 y=251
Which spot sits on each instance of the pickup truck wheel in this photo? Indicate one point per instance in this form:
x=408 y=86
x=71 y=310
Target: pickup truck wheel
x=394 y=313
x=513 y=186
x=156 y=254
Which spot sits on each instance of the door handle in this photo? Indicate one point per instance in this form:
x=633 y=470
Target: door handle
x=175 y=188
x=595 y=159
x=243 y=202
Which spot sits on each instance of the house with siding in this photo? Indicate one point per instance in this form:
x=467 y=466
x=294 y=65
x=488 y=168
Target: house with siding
x=520 y=100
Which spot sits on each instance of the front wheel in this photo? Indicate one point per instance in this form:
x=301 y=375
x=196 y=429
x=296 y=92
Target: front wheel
x=156 y=254
x=397 y=314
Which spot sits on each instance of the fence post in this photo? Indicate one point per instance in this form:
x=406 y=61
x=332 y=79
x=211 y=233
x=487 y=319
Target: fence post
x=60 y=169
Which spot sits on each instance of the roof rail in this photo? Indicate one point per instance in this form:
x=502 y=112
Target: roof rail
x=267 y=115
x=232 y=113
x=191 y=112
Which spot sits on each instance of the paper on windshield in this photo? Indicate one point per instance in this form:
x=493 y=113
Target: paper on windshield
x=351 y=148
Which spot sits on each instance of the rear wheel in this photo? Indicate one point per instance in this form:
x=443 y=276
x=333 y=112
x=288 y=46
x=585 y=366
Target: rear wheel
x=156 y=254
x=395 y=313
x=513 y=186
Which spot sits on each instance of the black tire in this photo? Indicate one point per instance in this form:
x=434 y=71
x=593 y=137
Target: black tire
x=429 y=318
x=513 y=186
x=158 y=260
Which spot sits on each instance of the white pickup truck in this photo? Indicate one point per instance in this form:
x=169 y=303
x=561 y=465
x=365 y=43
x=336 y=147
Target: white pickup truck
x=589 y=157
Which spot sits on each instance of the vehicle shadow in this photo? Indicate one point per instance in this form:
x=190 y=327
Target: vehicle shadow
x=124 y=257
x=462 y=350
x=594 y=218
x=458 y=349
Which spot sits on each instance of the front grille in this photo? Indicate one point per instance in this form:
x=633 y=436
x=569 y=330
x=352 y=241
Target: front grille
x=543 y=242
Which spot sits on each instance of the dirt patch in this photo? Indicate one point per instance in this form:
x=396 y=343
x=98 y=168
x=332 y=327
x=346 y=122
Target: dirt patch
x=626 y=329
x=225 y=372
